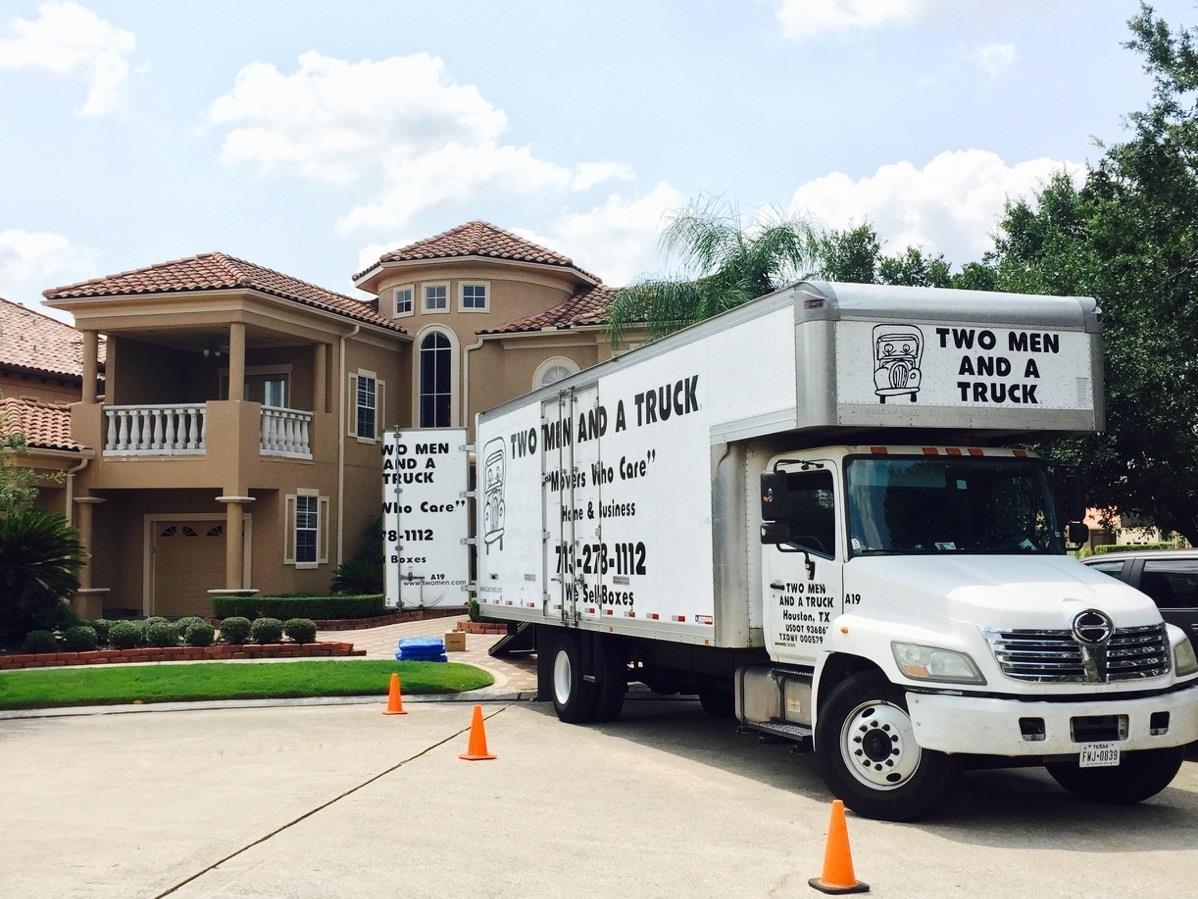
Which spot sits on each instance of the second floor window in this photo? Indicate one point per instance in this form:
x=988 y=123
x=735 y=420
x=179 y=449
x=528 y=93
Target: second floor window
x=367 y=406
x=403 y=301
x=436 y=297
x=474 y=297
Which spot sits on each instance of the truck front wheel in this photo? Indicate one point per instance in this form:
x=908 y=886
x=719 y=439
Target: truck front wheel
x=574 y=698
x=866 y=751
x=1138 y=776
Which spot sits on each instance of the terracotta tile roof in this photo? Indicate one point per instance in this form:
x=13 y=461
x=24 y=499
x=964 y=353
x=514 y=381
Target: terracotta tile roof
x=32 y=341
x=478 y=238
x=587 y=307
x=45 y=425
x=220 y=271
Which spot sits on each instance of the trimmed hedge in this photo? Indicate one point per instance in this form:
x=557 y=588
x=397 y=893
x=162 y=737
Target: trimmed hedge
x=266 y=630
x=162 y=633
x=79 y=638
x=1130 y=547
x=318 y=608
x=199 y=633
x=235 y=630
x=301 y=630
x=125 y=634
x=40 y=641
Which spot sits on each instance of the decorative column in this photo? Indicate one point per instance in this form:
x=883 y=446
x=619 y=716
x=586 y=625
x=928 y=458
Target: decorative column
x=234 y=543
x=88 y=601
x=91 y=352
x=237 y=360
x=320 y=355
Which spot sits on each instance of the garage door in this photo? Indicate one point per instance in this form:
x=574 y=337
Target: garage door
x=189 y=560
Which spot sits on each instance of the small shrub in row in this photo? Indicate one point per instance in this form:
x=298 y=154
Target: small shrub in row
x=80 y=638
x=266 y=630
x=199 y=633
x=40 y=641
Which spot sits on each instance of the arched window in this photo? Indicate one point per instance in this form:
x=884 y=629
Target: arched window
x=436 y=381
x=552 y=370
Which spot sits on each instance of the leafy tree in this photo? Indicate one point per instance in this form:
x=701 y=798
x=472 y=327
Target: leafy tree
x=850 y=256
x=913 y=268
x=1129 y=237
x=18 y=484
x=725 y=263
x=40 y=556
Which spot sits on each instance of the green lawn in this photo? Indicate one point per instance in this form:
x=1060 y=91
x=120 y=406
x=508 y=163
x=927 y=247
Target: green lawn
x=38 y=688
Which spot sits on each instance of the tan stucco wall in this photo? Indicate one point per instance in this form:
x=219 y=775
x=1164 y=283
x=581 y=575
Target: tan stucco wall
x=43 y=389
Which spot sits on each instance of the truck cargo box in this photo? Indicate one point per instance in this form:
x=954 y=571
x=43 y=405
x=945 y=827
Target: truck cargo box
x=623 y=499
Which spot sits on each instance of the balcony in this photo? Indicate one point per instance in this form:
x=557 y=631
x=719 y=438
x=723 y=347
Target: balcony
x=181 y=429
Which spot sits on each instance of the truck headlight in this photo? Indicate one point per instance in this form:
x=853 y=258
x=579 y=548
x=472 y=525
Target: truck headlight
x=1185 y=662
x=930 y=663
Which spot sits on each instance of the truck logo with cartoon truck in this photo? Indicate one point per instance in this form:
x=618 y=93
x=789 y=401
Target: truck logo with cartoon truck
x=494 y=466
x=898 y=350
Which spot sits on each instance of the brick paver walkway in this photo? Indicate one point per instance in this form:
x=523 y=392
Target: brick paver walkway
x=516 y=674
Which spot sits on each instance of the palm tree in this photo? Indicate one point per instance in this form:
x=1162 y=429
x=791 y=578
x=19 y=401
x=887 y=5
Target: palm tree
x=40 y=556
x=725 y=262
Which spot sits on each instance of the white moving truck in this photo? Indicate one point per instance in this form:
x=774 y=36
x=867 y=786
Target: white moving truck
x=802 y=511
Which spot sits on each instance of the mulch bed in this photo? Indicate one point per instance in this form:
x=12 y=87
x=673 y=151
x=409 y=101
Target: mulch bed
x=178 y=654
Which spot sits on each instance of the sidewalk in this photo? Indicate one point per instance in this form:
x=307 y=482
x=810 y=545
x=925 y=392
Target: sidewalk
x=516 y=674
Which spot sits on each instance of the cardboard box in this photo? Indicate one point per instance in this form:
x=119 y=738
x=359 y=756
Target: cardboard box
x=455 y=641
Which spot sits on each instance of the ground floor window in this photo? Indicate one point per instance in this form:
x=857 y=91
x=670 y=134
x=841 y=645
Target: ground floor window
x=306 y=535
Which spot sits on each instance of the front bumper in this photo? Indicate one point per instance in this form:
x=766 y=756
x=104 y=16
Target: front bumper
x=990 y=726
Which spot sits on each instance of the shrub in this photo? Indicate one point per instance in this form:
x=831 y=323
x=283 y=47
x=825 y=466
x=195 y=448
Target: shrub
x=182 y=624
x=1129 y=547
x=235 y=630
x=199 y=633
x=153 y=619
x=472 y=609
x=40 y=641
x=125 y=635
x=267 y=630
x=101 y=626
x=40 y=555
x=80 y=638
x=162 y=633
x=301 y=630
x=358 y=576
x=284 y=607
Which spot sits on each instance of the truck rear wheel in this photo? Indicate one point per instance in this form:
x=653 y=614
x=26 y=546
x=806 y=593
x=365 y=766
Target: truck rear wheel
x=717 y=699
x=574 y=698
x=866 y=751
x=1138 y=776
x=613 y=681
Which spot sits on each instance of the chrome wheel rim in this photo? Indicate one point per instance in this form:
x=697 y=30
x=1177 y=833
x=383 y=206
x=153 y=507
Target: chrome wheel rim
x=877 y=743
x=563 y=677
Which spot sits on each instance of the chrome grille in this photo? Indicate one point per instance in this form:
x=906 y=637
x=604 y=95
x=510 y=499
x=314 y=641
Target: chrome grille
x=1053 y=656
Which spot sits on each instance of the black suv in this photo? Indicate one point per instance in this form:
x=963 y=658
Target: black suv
x=1169 y=576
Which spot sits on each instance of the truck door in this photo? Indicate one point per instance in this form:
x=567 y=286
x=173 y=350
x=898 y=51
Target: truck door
x=804 y=576
x=557 y=461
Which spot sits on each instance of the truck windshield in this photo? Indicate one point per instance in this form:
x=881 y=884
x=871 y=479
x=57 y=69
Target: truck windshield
x=905 y=506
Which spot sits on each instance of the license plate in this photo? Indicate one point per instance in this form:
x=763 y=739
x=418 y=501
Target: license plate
x=1099 y=755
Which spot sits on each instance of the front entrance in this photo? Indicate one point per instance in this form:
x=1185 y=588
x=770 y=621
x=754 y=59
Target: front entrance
x=186 y=560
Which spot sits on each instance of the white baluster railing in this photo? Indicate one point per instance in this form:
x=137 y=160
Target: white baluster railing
x=159 y=430
x=286 y=432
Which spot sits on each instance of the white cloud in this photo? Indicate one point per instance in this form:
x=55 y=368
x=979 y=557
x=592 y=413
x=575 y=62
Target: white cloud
x=400 y=127
x=993 y=59
x=618 y=239
x=951 y=205
x=31 y=261
x=67 y=38
x=810 y=19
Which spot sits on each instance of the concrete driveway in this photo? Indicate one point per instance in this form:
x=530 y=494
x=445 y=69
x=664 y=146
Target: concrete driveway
x=343 y=801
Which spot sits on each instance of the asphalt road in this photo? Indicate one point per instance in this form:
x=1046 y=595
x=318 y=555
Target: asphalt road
x=343 y=801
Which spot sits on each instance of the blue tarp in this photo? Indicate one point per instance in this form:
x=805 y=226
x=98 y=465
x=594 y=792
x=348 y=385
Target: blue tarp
x=421 y=649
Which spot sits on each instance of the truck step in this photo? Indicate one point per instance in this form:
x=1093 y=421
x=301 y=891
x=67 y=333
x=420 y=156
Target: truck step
x=520 y=640
x=783 y=729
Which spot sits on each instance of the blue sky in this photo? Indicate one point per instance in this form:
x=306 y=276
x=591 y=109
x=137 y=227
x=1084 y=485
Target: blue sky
x=311 y=136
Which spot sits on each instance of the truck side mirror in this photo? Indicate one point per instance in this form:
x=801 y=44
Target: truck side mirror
x=1076 y=498
x=1078 y=534
x=774 y=498
x=774 y=533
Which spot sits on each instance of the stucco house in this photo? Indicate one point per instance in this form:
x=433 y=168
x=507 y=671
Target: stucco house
x=236 y=444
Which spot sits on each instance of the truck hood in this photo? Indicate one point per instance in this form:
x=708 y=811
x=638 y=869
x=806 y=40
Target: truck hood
x=1000 y=591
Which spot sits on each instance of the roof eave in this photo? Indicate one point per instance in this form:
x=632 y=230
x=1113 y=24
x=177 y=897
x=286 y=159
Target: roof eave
x=363 y=280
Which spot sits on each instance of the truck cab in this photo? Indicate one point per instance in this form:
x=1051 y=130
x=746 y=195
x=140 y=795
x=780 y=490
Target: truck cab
x=927 y=593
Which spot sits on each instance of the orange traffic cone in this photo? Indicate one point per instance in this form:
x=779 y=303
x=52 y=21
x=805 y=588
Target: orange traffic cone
x=838 y=874
x=394 y=698
x=476 y=748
